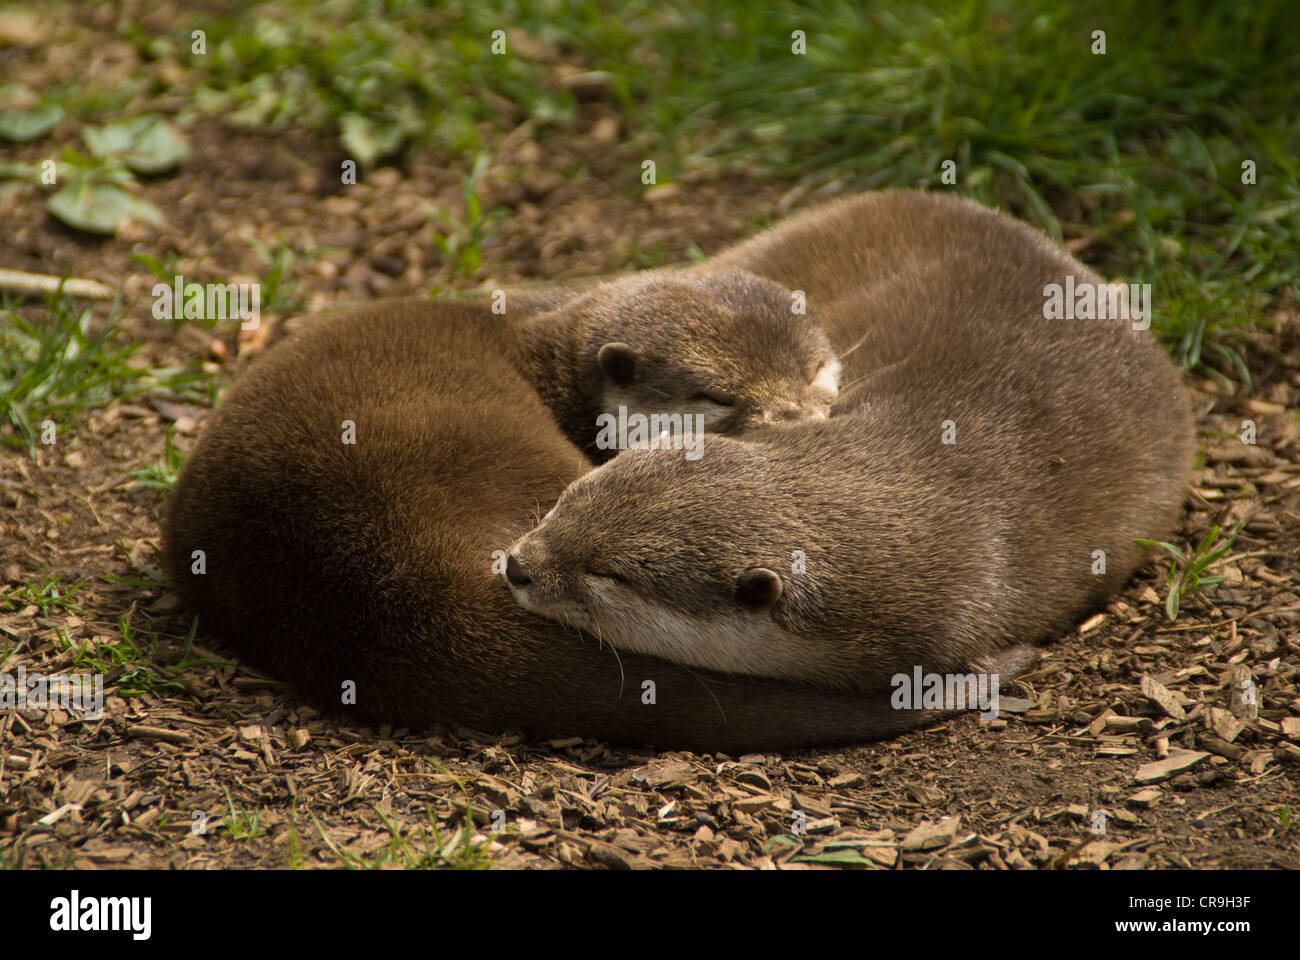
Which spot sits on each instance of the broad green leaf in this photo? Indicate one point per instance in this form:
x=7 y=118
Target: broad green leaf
x=78 y=167
x=367 y=141
x=147 y=144
x=23 y=125
x=20 y=171
x=100 y=207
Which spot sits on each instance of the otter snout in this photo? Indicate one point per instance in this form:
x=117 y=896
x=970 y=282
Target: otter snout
x=526 y=571
x=516 y=573
x=537 y=583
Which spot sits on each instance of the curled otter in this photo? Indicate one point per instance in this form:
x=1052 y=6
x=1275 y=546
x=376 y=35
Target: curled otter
x=339 y=523
x=979 y=485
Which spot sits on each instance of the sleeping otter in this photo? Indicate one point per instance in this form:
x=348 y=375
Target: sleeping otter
x=726 y=346
x=979 y=484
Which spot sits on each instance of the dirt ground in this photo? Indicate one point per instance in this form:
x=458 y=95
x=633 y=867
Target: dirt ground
x=1076 y=736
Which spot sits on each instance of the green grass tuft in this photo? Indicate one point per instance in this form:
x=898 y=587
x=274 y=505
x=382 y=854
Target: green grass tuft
x=1186 y=572
x=462 y=241
x=47 y=595
x=421 y=848
x=56 y=367
x=134 y=653
x=240 y=823
x=160 y=474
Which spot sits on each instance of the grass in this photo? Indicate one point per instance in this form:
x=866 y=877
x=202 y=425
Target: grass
x=241 y=824
x=160 y=474
x=279 y=284
x=134 y=652
x=382 y=74
x=463 y=240
x=457 y=851
x=1138 y=151
x=46 y=595
x=58 y=366
x=1186 y=572
x=147 y=576
x=421 y=848
x=277 y=290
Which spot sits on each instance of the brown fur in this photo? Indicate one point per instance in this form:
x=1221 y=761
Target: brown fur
x=328 y=562
x=691 y=338
x=1071 y=436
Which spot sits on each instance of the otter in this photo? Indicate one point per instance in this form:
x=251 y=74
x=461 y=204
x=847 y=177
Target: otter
x=367 y=566
x=858 y=258
x=979 y=485
x=726 y=345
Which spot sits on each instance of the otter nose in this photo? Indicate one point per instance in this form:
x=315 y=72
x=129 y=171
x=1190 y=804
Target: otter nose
x=516 y=574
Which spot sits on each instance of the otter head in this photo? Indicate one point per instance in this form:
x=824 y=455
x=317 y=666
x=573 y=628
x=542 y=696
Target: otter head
x=679 y=559
x=728 y=347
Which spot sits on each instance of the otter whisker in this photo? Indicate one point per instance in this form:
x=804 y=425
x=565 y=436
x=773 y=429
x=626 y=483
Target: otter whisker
x=860 y=382
x=705 y=684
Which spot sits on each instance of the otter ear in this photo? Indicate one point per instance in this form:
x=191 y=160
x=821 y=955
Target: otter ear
x=758 y=588
x=618 y=361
